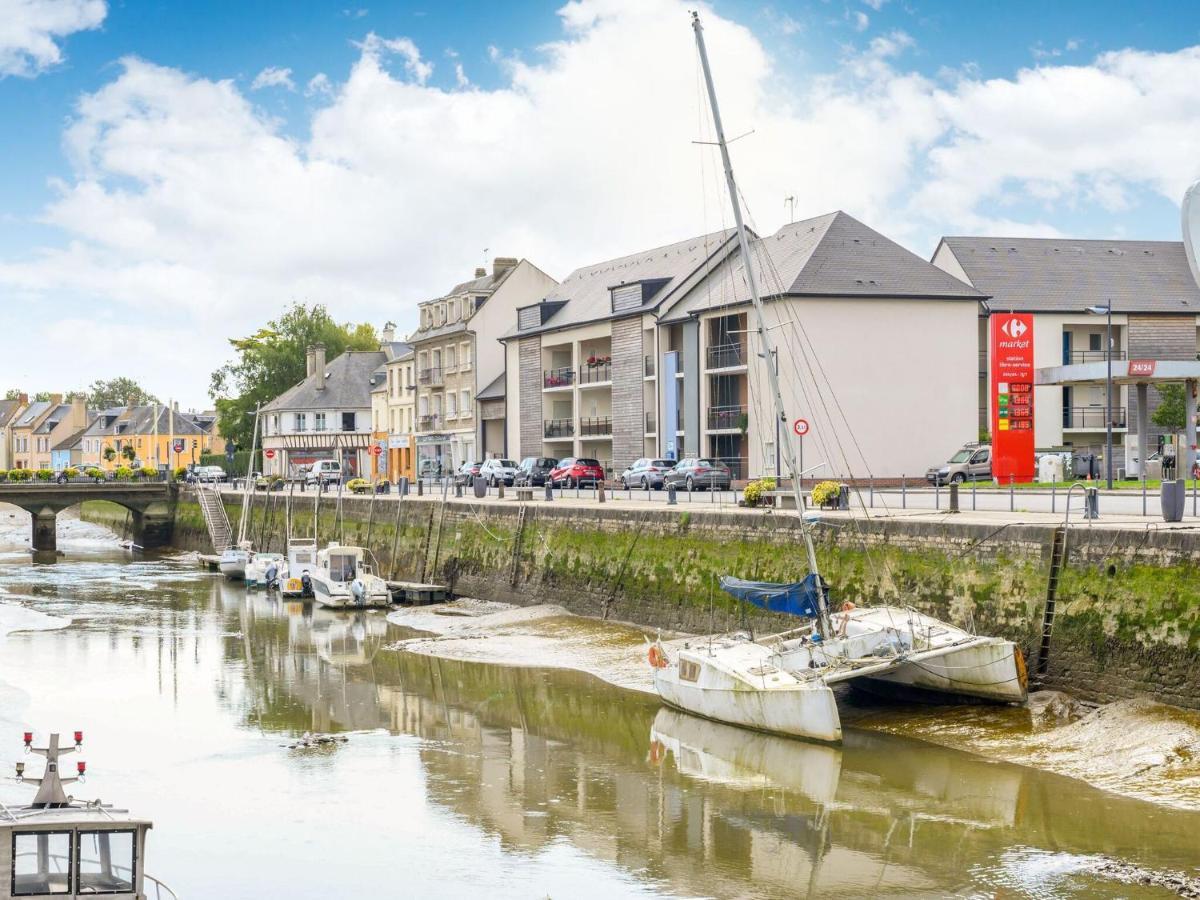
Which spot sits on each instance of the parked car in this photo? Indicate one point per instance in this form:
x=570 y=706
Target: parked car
x=647 y=473
x=498 y=471
x=972 y=462
x=324 y=471
x=695 y=474
x=210 y=474
x=534 y=470
x=576 y=472
x=467 y=471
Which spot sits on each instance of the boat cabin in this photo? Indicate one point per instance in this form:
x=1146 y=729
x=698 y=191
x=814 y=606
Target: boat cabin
x=342 y=564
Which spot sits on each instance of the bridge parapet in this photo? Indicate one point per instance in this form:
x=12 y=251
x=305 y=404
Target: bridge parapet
x=151 y=503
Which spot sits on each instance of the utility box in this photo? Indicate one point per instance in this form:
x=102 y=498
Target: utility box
x=1050 y=469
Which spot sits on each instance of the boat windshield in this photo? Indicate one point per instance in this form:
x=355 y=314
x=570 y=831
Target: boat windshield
x=341 y=566
x=41 y=863
x=106 y=862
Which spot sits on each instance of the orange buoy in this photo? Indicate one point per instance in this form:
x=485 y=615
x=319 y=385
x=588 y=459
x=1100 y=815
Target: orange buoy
x=847 y=606
x=658 y=659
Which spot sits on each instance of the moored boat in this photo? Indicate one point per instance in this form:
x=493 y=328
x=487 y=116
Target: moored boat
x=343 y=579
x=266 y=570
x=234 y=560
x=301 y=562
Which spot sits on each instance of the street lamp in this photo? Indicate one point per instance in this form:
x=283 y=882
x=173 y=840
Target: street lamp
x=1106 y=311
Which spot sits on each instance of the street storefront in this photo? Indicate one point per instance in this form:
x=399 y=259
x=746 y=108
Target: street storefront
x=433 y=455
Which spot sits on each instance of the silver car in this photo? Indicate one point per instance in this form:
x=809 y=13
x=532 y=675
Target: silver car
x=697 y=473
x=972 y=463
x=647 y=473
x=498 y=471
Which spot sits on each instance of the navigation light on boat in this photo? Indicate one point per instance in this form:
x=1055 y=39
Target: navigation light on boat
x=78 y=738
x=28 y=738
x=81 y=768
x=20 y=770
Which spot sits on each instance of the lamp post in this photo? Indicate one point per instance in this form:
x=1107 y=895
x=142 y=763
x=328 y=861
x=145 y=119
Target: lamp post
x=1106 y=311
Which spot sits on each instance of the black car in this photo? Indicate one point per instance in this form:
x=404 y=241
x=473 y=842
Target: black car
x=534 y=471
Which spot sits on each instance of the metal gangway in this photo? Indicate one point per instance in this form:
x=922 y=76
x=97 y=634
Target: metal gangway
x=215 y=518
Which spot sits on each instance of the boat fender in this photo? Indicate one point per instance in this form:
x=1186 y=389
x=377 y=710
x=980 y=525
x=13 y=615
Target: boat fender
x=658 y=750
x=359 y=590
x=658 y=659
x=848 y=606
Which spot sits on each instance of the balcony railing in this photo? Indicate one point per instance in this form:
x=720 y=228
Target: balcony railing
x=558 y=428
x=651 y=423
x=726 y=418
x=429 y=423
x=725 y=356
x=1092 y=417
x=648 y=366
x=430 y=376
x=595 y=427
x=1089 y=356
x=562 y=377
x=601 y=372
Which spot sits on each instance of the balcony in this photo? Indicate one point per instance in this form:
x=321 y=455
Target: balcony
x=726 y=418
x=556 y=429
x=596 y=427
x=1092 y=417
x=726 y=356
x=651 y=423
x=601 y=373
x=1090 y=356
x=431 y=377
x=558 y=378
x=429 y=423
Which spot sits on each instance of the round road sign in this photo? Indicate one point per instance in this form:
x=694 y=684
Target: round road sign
x=177 y=445
x=800 y=426
x=376 y=449
x=269 y=453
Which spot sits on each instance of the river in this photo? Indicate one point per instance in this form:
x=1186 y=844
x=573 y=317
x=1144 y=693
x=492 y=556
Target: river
x=466 y=779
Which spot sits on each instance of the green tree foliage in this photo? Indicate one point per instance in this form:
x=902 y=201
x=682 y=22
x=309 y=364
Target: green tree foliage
x=41 y=397
x=12 y=394
x=118 y=391
x=1170 y=412
x=273 y=359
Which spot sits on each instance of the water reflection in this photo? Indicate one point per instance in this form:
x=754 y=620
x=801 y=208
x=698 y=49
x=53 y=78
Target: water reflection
x=564 y=773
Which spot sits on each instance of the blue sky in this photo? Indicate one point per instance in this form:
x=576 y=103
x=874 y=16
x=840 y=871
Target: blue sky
x=148 y=181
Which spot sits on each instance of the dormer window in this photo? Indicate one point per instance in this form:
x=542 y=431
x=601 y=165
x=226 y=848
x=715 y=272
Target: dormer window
x=441 y=314
x=426 y=318
x=453 y=314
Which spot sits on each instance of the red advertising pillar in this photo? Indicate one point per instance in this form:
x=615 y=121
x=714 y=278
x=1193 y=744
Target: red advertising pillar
x=1011 y=355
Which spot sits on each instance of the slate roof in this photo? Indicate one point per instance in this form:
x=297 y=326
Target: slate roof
x=55 y=416
x=487 y=284
x=1064 y=275
x=585 y=297
x=494 y=391
x=130 y=420
x=834 y=255
x=31 y=413
x=347 y=384
x=8 y=409
x=71 y=441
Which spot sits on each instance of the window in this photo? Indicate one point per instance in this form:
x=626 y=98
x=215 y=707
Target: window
x=105 y=862
x=688 y=670
x=319 y=421
x=426 y=318
x=41 y=863
x=465 y=406
x=301 y=422
x=451 y=411
x=437 y=359
x=453 y=310
x=423 y=404
x=450 y=363
x=347 y=421
x=1094 y=341
x=464 y=355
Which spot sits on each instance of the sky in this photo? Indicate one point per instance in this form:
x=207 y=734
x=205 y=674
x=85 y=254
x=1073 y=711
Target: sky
x=176 y=174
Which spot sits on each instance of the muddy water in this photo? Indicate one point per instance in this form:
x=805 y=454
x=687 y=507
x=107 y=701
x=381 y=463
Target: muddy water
x=465 y=779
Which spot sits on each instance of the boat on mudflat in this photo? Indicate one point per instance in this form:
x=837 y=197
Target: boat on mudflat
x=343 y=579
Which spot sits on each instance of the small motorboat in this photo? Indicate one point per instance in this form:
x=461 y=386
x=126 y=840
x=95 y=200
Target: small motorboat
x=343 y=579
x=234 y=560
x=60 y=846
x=301 y=562
x=266 y=570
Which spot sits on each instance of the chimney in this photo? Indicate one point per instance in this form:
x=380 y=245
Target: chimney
x=480 y=272
x=310 y=364
x=502 y=264
x=389 y=332
x=319 y=365
x=23 y=398
x=78 y=410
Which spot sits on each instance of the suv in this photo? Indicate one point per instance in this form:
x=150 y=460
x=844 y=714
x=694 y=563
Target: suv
x=498 y=471
x=647 y=473
x=466 y=473
x=973 y=462
x=534 y=470
x=324 y=471
x=573 y=472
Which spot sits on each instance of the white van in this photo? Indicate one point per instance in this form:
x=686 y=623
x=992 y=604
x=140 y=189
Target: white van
x=324 y=471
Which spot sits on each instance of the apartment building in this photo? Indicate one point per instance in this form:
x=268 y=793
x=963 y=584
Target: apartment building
x=653 y=355
x=457 y=355
x=1155 y=306
x=400 y=402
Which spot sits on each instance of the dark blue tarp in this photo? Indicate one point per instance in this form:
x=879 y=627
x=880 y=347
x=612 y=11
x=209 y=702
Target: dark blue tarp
x=801 y=598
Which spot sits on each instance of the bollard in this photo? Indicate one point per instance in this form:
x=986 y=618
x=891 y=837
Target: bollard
x=843 y=497
x=600 y=491
x=402 y=486
x=871 y=490
x=1012 y=494
x=420 y=488
x=457 y=489
x=974 y=486
x=500 y=491
x=953 y=497
x=549 y=490
x=1194 y=480
x=903 y=493
x=1053 y=496
x=1091 y=503
x=937 y=493
x=1143 y=494
x=670 y=495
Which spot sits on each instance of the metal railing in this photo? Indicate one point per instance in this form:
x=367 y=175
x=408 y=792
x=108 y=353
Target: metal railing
x=601 y=425
x=651 y=423
x=725 y=356
x=430 y=376
x=726 y=417
x=428 y=423
x=556 y=428
x=595 y=374
x=648 y=366
x=1087 y=356
x=560 y=377
x=1092 y=417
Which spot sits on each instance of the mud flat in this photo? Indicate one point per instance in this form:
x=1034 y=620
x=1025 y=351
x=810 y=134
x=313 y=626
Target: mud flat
x=1136 y=748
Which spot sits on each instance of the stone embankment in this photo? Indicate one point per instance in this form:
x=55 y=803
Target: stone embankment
x=1127 y=622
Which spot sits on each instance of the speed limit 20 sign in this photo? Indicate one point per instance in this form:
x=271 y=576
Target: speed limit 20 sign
x=800 y=426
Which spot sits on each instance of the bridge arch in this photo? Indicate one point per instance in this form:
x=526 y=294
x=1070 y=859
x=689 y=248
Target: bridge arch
x=151 y=504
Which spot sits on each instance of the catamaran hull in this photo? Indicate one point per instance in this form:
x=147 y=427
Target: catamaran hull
x=991 y=671
x=808 y=712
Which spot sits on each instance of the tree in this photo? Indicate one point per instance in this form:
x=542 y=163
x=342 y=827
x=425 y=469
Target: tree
x=1171 y=411
x=12 y=394
x=119 y=391
x=41 y=397
x=273 y=359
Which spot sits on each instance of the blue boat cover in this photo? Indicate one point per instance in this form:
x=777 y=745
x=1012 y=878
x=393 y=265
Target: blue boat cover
x=801 y=598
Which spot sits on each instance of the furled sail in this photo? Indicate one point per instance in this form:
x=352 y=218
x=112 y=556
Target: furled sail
x=800 y=598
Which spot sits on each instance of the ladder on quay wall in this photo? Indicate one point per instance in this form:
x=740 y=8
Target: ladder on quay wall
x=1058 y=553
x=215 y=518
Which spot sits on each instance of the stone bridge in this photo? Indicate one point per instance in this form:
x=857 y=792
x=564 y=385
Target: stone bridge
x=151 y=504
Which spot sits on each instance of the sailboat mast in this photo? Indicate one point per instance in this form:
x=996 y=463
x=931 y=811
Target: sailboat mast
x=767 y=351
x=247 y=485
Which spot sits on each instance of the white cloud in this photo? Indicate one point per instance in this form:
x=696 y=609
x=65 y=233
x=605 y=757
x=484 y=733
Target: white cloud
x=460 y=76
x=876 y=5
x=860 y=20
x=192 y=209
x=273 y=76
x=31 y=31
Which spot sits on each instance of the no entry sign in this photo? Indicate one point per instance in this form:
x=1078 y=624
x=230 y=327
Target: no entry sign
x=177 y=445
x=800 y=426
x=269 y=453
x=376 y=449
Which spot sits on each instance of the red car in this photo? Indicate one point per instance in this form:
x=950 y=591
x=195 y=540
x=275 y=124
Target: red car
x=572 y=472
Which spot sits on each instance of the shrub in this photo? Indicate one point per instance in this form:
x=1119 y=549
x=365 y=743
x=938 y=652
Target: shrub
x=3 y=475
x=180 y=474
x=94 y=472
x=44 y=474
x=148 y=472
x=71 y=472
x=123 y=473
x=756 y=491
x=358 y=485
x=20 y=475
x=825 y=492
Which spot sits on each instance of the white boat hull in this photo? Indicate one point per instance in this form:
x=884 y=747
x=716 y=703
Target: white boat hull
x=337 y=595
x=991 y=671
x=805 y=712
x=233 y=565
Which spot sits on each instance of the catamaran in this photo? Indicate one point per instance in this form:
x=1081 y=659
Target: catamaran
x=784 y=683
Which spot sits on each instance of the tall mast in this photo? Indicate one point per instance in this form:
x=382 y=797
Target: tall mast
x=247 y=486
x=767 y=351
